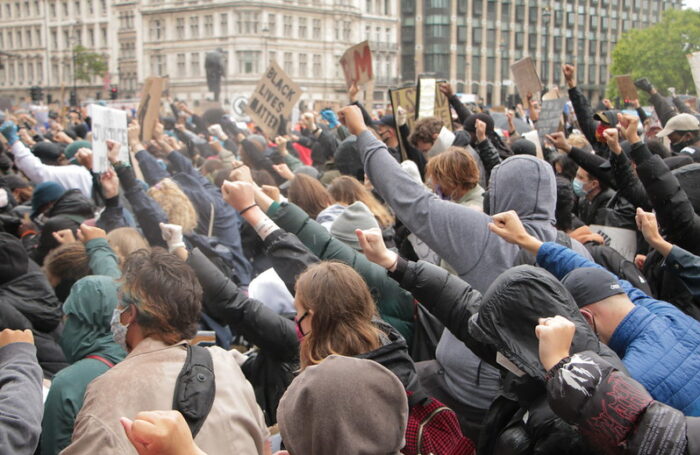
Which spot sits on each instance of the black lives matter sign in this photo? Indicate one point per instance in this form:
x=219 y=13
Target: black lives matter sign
x=273 y=100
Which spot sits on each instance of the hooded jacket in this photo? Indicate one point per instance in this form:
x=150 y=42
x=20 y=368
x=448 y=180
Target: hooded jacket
x=658 y=343
x=73 y=203
x=86 y=333
x=27 y=301
x=461 y=237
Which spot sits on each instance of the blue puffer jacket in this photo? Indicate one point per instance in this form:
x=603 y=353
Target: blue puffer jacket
x=658 y=343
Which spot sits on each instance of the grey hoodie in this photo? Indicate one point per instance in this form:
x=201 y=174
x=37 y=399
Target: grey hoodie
x=461 y=237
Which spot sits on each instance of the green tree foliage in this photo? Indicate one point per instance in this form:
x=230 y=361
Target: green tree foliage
x=659 y=52
x=88 y=64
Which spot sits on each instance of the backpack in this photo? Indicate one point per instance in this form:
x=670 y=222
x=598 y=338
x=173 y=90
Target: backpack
x=433 y=428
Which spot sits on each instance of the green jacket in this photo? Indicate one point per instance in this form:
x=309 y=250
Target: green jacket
x=102 y=259
x=89 y=309
x=394 y=304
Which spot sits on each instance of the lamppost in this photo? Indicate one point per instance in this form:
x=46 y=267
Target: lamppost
x=546 y=15
x=74 y=41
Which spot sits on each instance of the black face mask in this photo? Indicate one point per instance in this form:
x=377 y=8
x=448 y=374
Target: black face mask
x=678 y=146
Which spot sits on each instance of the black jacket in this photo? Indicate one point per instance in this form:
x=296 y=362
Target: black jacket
x=607 y=208
x=614 y=412
x=588 y=125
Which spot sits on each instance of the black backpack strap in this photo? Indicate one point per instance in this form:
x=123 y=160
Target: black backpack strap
x=195 y=388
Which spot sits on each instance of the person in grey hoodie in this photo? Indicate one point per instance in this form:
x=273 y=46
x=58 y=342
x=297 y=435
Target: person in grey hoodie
x=21 y=407
x=461 y=237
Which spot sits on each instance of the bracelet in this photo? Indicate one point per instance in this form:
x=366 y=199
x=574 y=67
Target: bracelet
x=247 y=208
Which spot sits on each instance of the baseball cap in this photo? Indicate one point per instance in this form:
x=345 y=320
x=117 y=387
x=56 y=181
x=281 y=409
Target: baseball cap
x=680 y=122
x=589 y=285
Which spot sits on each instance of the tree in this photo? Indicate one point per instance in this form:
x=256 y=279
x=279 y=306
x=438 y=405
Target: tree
x=659 y=52
x=88 y=64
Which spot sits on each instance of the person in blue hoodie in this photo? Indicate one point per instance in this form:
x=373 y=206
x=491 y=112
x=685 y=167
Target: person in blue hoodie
x=657 y=342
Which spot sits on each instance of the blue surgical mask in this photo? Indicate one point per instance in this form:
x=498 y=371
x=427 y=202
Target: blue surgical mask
x=118 y=329
x=578 y=188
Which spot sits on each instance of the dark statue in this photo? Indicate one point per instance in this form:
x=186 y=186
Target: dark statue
x=214 y=65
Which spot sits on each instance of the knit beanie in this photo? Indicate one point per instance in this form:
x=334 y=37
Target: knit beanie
x=355 y=216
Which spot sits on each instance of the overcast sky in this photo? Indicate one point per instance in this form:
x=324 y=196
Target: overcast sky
x=695 y=4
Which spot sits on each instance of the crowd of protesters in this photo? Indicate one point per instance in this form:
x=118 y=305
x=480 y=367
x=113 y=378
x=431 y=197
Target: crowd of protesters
x=352 y=285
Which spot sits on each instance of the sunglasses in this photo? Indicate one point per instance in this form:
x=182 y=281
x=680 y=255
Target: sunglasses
x=298 y=322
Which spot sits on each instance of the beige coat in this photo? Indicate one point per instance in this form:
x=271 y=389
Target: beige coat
x=145 y=381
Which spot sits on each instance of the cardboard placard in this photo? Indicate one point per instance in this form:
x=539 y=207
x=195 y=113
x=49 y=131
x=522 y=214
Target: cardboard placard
x=526 y=78
x=357 y=64
x=551 y=116
x=273 y=99
x=694 y=61
x=406 y=99
x=626 y=87
x=624 y=241
x=149 y=107
x=107 y=124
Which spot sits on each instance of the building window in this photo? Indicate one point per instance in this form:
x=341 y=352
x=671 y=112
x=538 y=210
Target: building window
x=317 y=29
x=91 y=37
x=248 y=22
x=194 y=62
x=103 y=32
x=30 y=71
x=194 y=27
x=287 y=21
x=156 y=30
x=180 y=28
x=248 y=62
x=158 y=65
x=28 y=35
x=76 y=8
x=303 y=65
x=272 y=24
x=181 y=64
x=302 y=28
x=224 y=24
x=317 y=65
x=288 y=63
x=347 y=30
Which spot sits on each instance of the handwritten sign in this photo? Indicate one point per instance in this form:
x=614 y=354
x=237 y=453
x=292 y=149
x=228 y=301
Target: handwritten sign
x=694 y=61
x=526 y=78
x=551 y=116
x=107 y=124
x=149 y=107
x=626 y=87
x=357 y=64
x=273 y=99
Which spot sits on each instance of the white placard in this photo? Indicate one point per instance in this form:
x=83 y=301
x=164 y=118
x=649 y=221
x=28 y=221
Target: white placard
x=426 y=103
x=107 y=124
x=622 y=240
x=694 y=61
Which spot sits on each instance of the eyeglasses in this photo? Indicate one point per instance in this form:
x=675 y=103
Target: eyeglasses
x=298 y=322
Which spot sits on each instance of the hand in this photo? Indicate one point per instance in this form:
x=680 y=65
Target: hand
x=353 y=91
x=446 y=89
x=555 y=335
x=216 y=130
x=559 y=141
x=241 y=173
x=160 y=433
x=84 y=157
x=239 y=195
x=639 y=261
x=646 y=222
x=508 y=226
x=64 y=236
x=109 y=181
x=113 y=151
x=281 y=142
x=134 y=135
x=480 y=130
x=273 y=192
x=62 y=137
x=351 y=116
x=374 y=249
x=309 y=121
x=158 y=131
x=569 y=72
x=172 y=234
x=401 y=116
x=87 y=233
x=608 y=104
x=25 y=137
x=283 y=171
x=629 y=124
x=611 y=137
x=8 y=336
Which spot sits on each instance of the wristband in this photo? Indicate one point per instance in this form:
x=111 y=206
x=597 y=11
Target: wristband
x=265 y=227
x=247 y=208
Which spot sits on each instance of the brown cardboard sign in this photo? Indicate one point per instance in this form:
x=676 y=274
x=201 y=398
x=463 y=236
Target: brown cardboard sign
x=526 y=78
x=149 y=107
x=626 y=87
x=273 y=99
x=357 y=64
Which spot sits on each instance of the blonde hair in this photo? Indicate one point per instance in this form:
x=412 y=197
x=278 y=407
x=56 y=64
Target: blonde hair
x=578 y=141
x=175 y=204
x=126 y=240
x=347 y=190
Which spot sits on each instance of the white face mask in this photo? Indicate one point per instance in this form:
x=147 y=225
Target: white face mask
x=118 y=329
x=443 y=141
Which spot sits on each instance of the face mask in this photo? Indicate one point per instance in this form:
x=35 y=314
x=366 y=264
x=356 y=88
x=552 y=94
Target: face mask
x=679 y=146
x=300 y=336
x=118 y=329
x=578 y=188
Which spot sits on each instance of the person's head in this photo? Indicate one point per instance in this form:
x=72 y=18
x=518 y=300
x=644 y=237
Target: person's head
x=160 y=298
x=425 y=132
x=73 y=148
x=347 y=158
x=262 y=177
x=453 y=172
x=565 y=166
x=523 y=147
x=585 y=185
x=65 y=265
x=176 y=205
x=470 y=126
x=346 y=190
x=44 y=196
x=386 y=129
x=49 y=153
x=682 y=131
x=47 y=241
x=600 y=298
x=309 y=194
x=88 y=310
x=126 y=240
x=579 y=141
x=14 y=261
x=344 y=402
x=21 y=190
x=565 y=205
x=334 y=313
